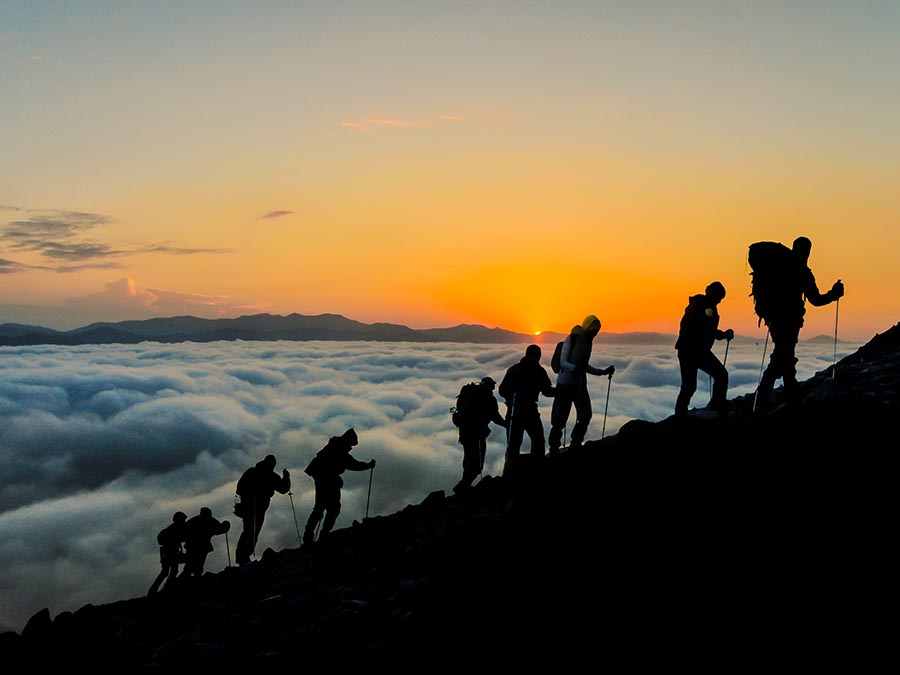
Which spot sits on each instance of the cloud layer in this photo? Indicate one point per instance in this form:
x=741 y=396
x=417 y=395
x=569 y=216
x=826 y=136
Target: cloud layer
x=102 y=444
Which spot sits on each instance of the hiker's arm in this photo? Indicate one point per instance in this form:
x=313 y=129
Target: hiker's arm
x=600 y=371
x=817 y=299
x=725 y=334
x=283 y=484
x=355 y=465
x=547 y=388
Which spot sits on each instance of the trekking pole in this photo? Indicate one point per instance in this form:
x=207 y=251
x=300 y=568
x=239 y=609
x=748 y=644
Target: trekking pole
x=254 y=525
x=837 y=304
x=296 y=524
x=761 y=364
x=228 y=548
x=608 y=387
x=725 y=359
x=371 y=471
x=509 y=418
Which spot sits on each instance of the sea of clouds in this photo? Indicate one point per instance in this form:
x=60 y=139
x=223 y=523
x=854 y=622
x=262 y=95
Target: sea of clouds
x=100 y=445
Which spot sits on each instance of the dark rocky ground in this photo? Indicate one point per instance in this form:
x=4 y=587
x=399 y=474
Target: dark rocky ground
x=719 y=543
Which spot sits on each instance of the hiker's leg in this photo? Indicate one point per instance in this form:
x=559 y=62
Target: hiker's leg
x=714 y=368
x=309 y=532
x=559 y=414
x=583 y=414
x=535 y=429
x=688 y=369
x=332 y=511
x=784 y=362
x=246 y=543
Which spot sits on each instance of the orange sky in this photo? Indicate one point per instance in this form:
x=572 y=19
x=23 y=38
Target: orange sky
x=505 y=165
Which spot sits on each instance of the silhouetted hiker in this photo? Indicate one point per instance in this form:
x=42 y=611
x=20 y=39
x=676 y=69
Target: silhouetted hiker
x=170 y=539
x=326 y=469
x=571 y=384
x=520 y=387
x=199 y=532
x=784 y=318
x=476 y=408
x=698 y=331
x=256 y=487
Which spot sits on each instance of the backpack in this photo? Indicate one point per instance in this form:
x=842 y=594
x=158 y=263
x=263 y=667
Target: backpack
x=315 y=465
x=168 y=536
x=246 y=484
x=557 y=357
x=465 y=396
x=771 y=264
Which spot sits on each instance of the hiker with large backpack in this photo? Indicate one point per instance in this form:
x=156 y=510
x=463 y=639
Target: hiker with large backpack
x=571 y=384
x=781 y=281
x=476 y=407
x=171 y=554
x=325 y=469
x=521 y=386
x=256 y=487
x=698 y=331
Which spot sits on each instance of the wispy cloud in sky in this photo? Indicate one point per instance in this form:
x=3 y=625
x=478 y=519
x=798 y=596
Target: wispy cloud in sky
x=369 y=124
x=62 y=236
x=275 y=214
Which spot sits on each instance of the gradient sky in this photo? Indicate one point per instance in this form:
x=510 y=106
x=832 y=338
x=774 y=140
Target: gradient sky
x=518 y=164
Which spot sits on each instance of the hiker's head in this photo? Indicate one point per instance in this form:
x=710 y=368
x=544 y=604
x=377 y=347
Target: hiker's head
x=350 y=437
x=206 y=512
x=591 y=325
x=488 y=383
x=801 y=248
x=269 y=462
x=716 y=292
x=533 y=353
x=179 y=517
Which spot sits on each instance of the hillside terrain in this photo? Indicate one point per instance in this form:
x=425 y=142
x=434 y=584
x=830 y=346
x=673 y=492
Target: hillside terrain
x=755 y=541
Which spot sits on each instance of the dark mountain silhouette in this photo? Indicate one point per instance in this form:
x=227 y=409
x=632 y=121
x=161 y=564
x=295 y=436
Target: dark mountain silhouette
x=255 y=327
x=291 y=327
x=713 y=543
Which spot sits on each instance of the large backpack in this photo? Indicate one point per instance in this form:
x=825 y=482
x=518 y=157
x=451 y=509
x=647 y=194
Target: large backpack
x=463 y=400
x=771 y=263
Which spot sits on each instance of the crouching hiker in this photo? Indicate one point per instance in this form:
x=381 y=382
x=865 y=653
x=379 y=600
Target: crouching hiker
x=199 y=532
x=326 y=469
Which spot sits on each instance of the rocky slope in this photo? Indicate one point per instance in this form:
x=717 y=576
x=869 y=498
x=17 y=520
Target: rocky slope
x=710 y=542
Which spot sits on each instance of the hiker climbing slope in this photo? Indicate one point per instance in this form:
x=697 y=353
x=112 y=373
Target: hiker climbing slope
x=571 y=384
x=171 y=553
x=780 y=304
x=521 y=386
x=256 y=487
x=698 y=331
x=476 y=407
x=326 y=469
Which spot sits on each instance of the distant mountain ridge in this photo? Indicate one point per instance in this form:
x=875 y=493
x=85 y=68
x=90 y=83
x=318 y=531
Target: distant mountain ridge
x=293 y=327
